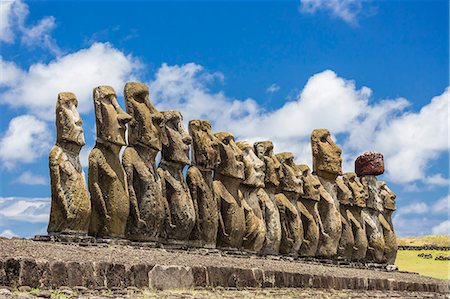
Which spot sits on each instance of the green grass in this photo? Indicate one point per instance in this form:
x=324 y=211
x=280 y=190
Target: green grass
x=425 y=240
x=407 y=260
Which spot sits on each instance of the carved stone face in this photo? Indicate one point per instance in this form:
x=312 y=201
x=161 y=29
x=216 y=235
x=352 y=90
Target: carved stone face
x=387 y=195
x=176 y=139
x=264 y=151
x=110 y=118
x=344 y=194
x=311 y=183
x=205 y=146
x=144 y=128
x=327 y=161
x=359 y=193
x=231 y=158
x=374 y=200
x=253 y=166
x=68 y=120
x=292 y=177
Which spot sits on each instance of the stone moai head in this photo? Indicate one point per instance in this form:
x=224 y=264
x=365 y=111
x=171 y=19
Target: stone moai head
x=110 y=118
x=344 y=194
x=311 y=183
x=231 y=158
x=387 y=195
x=292 y=177
x=253 y=166
x=359 y=193
x=327 y=161
x=264 y=151
x=175 y=137
x=205 y=146
x=144 y=128
x=68 y=120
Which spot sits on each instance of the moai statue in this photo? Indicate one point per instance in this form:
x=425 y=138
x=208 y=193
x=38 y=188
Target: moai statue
x=390 y=240
x=347 y=241
x=174 y=157
x=354 y=214
x=71 y=206
x=327 y=165
x=290 y=189
x=273 y=173
x=307 y=207
x=367 y=166
x=147 y=205
x=106 y=178
x=228 y=176
x=255 y=197
x=199 y=177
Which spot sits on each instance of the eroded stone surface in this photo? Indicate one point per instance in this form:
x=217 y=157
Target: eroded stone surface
x=308 y=209
x=347 y=241
x=147 y=204
x=354 y=214
x=253 y=192
x=199 y=177
x=180 y=219
x=106 y=178
x=70 y=206
x=292 y=188
x=369 y=163
x=390 y=239
x=273 y=173
x=327 y=161
x=227 y=179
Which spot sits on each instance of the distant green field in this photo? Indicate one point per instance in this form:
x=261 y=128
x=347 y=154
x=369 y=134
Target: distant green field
x=424 y=240
x=407 y=260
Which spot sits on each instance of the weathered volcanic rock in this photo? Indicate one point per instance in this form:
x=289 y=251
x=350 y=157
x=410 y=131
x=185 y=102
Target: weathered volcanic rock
x=369 y=163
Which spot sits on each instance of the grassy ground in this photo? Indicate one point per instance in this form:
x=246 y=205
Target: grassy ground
x=425 y=240
x=407 y=260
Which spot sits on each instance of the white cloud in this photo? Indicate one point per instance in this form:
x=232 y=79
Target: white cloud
x=442 y=229
x=26 y=139
x=7 y=233
x=273 y=88
x=437 y=180
x=13 y=16
x=347 y=10
x=32 y=210
x=36 y=89
x=414 y=208
x=29 y=178
x=442 y=205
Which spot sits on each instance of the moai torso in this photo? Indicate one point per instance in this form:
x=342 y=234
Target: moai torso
x=308 y=209
x=228 y=176
x=205 y=157
x=371 y=215
x=271 y=215
x=254 y=197
x=70 y=206
x=174 y=157
x=347 y=241
x=390 y=240
x=147 y=205
x=107 y=181
x=354 y=214
x=327 y=165
x=290 y=190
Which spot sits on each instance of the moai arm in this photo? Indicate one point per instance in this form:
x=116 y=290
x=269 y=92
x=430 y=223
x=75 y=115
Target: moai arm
x=319 y=221
x=166 y=204
x=96 y=192
x=56 y=181
x=193 y=185
x=221 y=223
x=134 y=208
x=386 y=226
x=353 y=220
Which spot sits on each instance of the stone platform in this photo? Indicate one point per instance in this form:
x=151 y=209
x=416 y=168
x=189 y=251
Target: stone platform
x=103 y=265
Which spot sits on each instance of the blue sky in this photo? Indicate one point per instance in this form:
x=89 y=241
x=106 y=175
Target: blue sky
x=375 y=73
